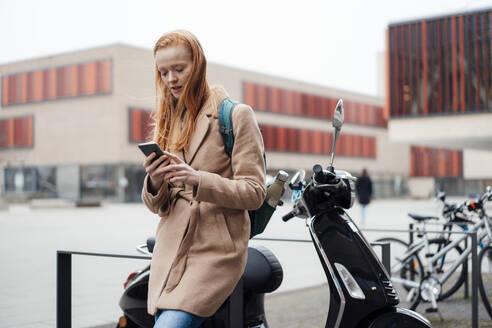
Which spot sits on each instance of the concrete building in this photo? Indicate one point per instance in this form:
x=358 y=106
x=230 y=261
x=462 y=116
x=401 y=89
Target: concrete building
x=69 y=125
x=440 y=99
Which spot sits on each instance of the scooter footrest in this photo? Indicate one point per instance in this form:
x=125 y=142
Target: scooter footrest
x=431 y=310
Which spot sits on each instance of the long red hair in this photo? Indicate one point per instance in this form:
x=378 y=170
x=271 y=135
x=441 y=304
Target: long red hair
x=195 y=92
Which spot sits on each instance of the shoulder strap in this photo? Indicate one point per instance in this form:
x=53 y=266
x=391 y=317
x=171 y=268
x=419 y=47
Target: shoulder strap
x=225 y=123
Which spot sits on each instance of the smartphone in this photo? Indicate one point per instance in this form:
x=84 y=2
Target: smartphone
x=148 y=148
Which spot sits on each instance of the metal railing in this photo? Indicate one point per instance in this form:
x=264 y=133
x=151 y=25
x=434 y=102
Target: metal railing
x=474 y=262
x=64 y=282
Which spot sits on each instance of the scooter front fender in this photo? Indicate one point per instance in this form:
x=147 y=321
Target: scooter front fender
x=399 y=317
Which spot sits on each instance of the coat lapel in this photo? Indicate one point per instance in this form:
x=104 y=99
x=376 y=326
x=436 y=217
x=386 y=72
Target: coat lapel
x=208 y=111
x=201 y=130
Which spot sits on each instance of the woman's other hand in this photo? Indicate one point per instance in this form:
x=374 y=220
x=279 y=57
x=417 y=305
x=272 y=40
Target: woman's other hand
x=179 y=171
x=155 y=170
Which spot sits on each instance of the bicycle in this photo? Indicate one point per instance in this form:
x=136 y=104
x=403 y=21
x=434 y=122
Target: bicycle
x=427 y=285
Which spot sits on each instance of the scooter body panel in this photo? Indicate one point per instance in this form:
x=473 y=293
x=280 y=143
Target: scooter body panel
x=337 y=240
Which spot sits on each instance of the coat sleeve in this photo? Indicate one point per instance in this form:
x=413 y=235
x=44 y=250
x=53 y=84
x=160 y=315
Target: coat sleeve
x=246 y=189
x=158 y=201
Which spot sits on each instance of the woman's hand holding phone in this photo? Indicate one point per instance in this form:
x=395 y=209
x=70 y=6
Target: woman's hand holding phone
x=155 y=170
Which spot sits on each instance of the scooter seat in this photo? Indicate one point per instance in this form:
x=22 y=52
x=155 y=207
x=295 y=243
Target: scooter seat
x=263 y=272
x=422 y=217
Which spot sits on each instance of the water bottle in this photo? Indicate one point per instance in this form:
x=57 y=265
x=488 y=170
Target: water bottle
x=276 y=189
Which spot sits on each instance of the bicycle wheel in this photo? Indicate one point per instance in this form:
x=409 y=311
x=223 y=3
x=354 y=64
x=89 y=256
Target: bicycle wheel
x=485 y=277
x=408 y=268
x=444 y=263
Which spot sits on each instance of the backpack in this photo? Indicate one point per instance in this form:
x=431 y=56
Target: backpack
x=258 y=218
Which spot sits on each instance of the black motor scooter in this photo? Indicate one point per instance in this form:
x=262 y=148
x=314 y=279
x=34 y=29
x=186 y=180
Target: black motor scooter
x=361 y=293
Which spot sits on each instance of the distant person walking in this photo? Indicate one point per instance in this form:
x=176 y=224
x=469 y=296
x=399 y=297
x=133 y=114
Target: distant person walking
x=363 y=188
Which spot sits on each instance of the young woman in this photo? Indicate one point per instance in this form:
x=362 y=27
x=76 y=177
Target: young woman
x=200 y=193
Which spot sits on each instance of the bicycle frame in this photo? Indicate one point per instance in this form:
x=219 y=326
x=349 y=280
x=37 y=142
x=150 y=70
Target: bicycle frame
x=414 y=249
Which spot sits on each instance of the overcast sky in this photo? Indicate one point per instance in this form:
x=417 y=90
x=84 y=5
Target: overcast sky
x=330 y=43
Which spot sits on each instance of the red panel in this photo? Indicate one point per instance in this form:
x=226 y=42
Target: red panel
x=30 y=87
x=38 y=86
x=281 y=138
x=274 y=100
x=477 y=47
x=4 y=133
x=23 y=87
x=18 y=132
x=325 y=108
x=261 y=97
x=455 y=63
x=90 y=78
x=440 y=102
x=462 y=64
x=347 y=108
x=357 y=146
x=317 y=142
x=318 y=112
x=5 y=90
x=291 y=102
x=403 y=68
x=298 y=103
x=304 y=104
x=12 y=89
x=366 y=152
x=424 y=68
x=106 y=82
x=311 y=106
x=304 y=141
x=29 y=131
x=136 y=125
x=249 y=94
x=284 y=100
x=350 y=145
x=72 y=80
x=374 y=149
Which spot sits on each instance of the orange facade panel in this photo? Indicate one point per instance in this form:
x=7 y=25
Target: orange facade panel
x=249 y=94
x=436 y=162
x=59 y=82
x=277 y=100
x=5 y=90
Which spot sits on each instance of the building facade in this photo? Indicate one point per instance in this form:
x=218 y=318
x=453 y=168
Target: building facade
x=70 y=123
x=440 y=99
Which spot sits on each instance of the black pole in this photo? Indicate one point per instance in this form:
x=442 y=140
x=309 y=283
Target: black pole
x=475 y=270
x=410 y=239
x=387 y=256
x=63 y=290
x=467 y=292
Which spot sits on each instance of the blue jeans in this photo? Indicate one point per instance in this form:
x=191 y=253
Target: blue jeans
x=177 y=319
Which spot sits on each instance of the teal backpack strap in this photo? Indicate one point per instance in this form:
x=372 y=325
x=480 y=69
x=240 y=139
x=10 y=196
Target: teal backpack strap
x=258 y=218
x=225 y=123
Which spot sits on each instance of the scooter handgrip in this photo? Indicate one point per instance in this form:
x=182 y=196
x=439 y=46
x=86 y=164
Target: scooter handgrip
x=288 y=216
x=318 y=173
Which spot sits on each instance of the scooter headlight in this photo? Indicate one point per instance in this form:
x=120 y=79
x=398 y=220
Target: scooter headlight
x=348 y=280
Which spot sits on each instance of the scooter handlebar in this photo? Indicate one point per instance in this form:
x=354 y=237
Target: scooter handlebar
x=288 y=216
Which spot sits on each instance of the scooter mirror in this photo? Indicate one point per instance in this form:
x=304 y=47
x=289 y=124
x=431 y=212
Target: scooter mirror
x=338 y=116
x=337 y=123
x=441 y=195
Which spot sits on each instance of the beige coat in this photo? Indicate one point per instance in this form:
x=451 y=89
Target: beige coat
x=202 y=238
